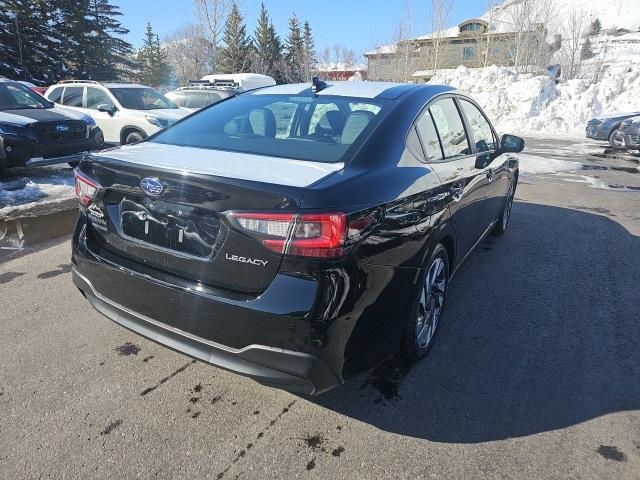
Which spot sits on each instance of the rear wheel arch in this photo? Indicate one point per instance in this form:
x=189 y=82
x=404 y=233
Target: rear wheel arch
x=449 y=245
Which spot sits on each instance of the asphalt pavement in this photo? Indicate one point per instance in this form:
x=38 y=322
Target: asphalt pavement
x=535 y=372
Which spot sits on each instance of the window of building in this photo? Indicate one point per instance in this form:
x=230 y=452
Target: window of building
x=469 y=53
x=471 y=27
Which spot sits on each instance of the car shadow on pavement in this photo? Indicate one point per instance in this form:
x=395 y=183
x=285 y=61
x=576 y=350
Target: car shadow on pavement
x=541 y=332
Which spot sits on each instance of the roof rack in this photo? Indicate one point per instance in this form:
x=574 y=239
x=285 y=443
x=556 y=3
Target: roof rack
x=79 y=81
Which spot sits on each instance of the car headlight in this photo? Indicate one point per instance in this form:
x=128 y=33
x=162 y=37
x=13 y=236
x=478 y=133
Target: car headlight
x=157 y=121
x=9 y=129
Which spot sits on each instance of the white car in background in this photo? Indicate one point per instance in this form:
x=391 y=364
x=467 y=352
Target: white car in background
x=126 y=112
x=215 y=88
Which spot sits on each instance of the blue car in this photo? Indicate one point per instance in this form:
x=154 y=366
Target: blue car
x=604 y=128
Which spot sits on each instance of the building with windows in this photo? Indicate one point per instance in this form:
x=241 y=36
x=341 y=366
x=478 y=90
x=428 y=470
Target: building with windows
x=472 y=43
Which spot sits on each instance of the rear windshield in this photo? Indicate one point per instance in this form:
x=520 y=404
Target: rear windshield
x=320 y=129
x=136 y=98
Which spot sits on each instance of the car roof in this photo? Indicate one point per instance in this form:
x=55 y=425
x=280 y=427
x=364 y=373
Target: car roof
x=358 y=89
x=97 y=84
x=204 y=89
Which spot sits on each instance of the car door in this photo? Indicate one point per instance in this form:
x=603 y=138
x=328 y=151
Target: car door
x=485 y=143
x=464 y=185
x=108 y=122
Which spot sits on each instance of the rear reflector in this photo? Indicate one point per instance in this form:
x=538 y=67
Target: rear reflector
x=86 y=188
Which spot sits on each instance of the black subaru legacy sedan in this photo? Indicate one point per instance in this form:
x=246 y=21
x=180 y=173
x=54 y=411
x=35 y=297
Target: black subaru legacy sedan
x=298 y=234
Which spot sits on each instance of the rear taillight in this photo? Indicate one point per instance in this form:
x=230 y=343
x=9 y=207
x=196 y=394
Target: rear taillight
x=319 y=235
x=86 y=188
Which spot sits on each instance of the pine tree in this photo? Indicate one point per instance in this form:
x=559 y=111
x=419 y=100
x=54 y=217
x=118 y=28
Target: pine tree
x=107 y=53
x=235 y=56
x=154 y=69
x=309 y=52
x=267 y=46
x=10 y=54
x=29 y=42
x=586 y=52
x=595 y=28
x=93 y=47
x=294 y=51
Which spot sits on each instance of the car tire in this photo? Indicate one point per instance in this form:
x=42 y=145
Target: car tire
x=503 y=221
x=612 y=141
x=133 y=137
x=426 y=314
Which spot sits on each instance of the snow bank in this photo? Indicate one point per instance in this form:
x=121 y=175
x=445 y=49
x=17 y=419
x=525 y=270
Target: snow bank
x=525 y=104
x=43 y=186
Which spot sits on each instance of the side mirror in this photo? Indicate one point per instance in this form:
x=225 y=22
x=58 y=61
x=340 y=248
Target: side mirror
x=511 y=144
x=103 y=107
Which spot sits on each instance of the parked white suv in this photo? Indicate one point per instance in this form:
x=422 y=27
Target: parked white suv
x=125 y=112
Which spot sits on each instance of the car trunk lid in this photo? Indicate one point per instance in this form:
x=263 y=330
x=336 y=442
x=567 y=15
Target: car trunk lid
x=175 y=221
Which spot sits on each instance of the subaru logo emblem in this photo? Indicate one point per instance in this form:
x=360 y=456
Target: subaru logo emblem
x=62 y=128
x=151 y=186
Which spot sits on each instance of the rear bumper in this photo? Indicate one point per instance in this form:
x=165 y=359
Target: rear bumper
x=297 y=372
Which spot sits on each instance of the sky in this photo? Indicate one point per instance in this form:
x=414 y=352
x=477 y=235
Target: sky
x=358 y=24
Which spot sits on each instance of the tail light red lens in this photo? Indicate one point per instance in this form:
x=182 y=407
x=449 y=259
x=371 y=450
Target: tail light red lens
x=317 y=235
x=86 y=188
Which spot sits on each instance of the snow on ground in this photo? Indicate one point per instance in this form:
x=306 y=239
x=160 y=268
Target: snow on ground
x=524 y=103
x=535 y=165
x=37 y=186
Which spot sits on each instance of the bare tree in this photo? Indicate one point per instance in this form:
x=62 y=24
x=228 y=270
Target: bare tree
x=212 y=15
x=573 y=35
x=438 y=21
x=396 y=57
x=488 y=52
x=189 y=53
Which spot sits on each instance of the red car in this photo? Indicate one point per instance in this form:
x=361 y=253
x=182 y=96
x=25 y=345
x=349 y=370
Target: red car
x=39 y=90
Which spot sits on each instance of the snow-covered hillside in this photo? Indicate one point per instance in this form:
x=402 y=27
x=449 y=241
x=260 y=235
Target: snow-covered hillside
x=528 y=104
x=613 y=14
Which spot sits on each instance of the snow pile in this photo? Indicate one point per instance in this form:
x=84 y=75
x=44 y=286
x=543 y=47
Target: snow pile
x=525 y=103
x=43 y=186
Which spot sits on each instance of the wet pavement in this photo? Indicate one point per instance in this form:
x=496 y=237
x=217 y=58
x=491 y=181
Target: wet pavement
x=534 y=373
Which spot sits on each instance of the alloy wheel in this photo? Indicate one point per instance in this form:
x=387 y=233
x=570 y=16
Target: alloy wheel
x=431 y=303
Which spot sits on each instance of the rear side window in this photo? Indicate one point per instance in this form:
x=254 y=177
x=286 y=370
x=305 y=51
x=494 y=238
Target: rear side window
x=450 y=127
x=429 y=136
x=480 y=128
x=72 y=96
x=96 y=97
x=201 y=99
x=55 y=95
x=280 y=125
